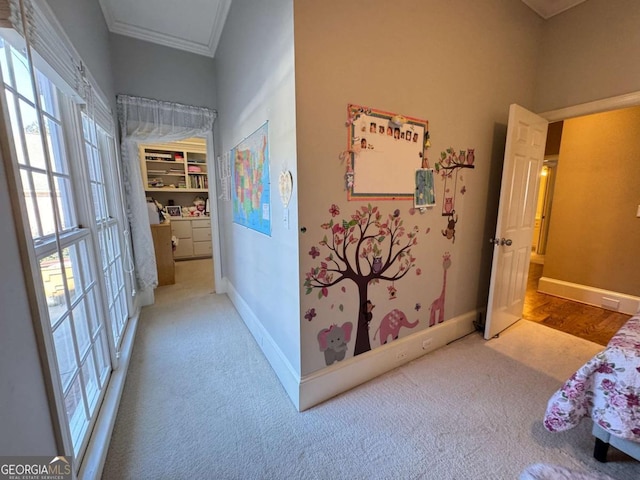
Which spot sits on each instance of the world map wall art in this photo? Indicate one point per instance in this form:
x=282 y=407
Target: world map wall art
x=250 y=193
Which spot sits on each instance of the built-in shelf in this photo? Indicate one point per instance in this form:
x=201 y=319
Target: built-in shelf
x=175 y=167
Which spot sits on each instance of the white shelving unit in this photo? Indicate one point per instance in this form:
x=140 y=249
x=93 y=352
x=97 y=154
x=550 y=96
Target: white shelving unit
x=177 y=166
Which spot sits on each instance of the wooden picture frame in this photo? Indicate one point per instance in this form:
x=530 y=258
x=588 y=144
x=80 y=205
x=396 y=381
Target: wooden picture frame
x=384 y=151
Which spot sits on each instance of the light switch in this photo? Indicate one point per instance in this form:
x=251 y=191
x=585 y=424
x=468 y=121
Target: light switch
x=638 y=212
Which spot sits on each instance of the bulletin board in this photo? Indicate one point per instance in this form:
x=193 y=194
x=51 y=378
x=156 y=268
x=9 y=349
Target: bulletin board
x=385 y=151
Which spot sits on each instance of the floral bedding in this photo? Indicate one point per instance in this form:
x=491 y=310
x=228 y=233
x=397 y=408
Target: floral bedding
x=606 y=388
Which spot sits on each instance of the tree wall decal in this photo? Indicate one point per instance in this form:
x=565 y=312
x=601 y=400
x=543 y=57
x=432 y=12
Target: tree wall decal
x=364 y=249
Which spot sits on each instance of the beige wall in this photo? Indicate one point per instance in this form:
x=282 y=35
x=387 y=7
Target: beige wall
x=458 y=64
x=594 y=236
x=589 y=52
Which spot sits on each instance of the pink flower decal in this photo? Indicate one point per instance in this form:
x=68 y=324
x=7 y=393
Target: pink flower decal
x=418 y=271
x=314 y=252
x=334 y=210
x=311 y=313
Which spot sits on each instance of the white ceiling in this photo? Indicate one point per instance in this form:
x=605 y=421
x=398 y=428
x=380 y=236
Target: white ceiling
x=196 y=25
x=191 y=25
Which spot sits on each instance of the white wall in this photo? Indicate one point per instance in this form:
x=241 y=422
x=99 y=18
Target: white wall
x=255 y=83
x=588 y=53
x=148 y=70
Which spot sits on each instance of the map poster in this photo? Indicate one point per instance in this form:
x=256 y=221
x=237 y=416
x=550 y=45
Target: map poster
x=251 y=192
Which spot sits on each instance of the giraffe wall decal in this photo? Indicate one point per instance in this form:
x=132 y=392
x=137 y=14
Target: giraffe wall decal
x=437 y=306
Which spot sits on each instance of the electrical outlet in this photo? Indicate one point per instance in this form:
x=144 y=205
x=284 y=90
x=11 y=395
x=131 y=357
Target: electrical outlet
x=426 y=343
x=401 y=355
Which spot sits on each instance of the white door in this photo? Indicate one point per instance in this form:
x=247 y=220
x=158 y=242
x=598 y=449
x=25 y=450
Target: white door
x=523 y=157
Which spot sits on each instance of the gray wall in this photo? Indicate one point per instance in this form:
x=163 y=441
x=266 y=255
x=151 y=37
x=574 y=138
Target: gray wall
x=255 y=83
x=85 y=26
x=148 y=70
x=589 y=52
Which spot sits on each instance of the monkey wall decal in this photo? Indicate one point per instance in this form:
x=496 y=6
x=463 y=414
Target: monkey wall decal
x=450 y=231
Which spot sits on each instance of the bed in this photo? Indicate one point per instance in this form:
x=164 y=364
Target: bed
x=607 y=390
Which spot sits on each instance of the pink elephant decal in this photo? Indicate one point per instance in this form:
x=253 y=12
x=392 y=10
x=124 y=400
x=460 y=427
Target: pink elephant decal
x=390 y=325
x=333 y=342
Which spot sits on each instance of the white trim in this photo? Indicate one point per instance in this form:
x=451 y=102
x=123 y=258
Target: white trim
x=96 y=452
x=289 y=379
x=340 y=377
x=220 y=286
x=328 y=382
x=597 y=106
x=590 y=295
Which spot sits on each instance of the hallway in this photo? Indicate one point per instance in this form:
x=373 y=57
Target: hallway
x=585 y=321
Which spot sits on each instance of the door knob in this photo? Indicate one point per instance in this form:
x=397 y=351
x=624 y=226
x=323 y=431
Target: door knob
x=506 y=241
x=494 y=241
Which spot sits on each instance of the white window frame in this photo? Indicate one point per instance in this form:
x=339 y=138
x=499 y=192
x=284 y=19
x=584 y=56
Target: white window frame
x=57 y=59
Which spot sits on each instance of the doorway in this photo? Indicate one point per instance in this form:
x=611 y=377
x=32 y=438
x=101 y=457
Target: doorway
x=177 y=176
x=543 y=209
x=584 y=316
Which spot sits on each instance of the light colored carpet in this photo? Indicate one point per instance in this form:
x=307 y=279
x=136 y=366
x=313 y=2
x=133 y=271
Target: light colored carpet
x=201 y=402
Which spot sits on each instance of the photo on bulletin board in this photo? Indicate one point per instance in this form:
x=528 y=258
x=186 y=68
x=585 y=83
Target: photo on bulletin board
x=174 y=210
x=385 y=150
x=425 y=194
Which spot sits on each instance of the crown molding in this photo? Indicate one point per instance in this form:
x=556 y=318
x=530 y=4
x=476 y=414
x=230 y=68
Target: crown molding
x=148 y=35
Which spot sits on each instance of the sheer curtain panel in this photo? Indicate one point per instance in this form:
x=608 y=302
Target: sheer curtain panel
x=147 y=120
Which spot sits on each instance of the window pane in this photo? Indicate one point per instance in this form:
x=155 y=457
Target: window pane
x=113 y=229
x=64 y=352
x=91 y=162
x=76 y=413
x=33 y=140
x=92 y=388
x=56 y=146
x=81 y=327
x=72 y=271
x=30 y=202
x=48 y=97
x=93 y=312
x=23 y=77
x=51 y=272
x=16 y=127
x=66 y=208
x=3 y=62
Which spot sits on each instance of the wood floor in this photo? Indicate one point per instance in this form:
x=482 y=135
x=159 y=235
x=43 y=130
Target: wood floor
x=590 y=323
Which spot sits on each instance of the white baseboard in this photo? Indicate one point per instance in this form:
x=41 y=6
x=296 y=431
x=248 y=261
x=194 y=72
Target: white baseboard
x=289 y=379
x=340 y=377
x=618 y=302
x=326 y=383
x=96 y=454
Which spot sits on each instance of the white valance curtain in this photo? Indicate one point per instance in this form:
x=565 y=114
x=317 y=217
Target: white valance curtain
x=143 y=120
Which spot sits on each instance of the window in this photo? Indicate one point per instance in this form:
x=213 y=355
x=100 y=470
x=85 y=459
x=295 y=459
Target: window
x=100 y=156
x=70 y=203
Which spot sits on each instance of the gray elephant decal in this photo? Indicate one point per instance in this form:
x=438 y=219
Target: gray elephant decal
x=333 y=342
x=390 y=325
